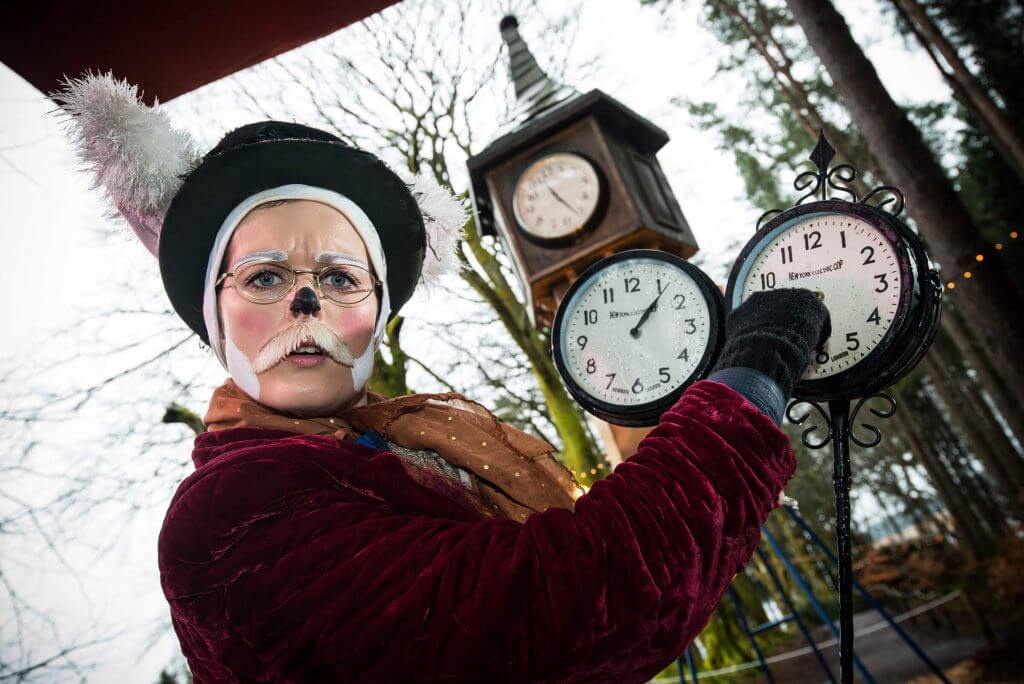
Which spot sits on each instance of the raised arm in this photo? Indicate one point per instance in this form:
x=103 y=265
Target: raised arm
x=303 y=560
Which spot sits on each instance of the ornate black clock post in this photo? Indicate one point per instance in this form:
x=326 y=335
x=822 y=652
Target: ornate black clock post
x=884 y=299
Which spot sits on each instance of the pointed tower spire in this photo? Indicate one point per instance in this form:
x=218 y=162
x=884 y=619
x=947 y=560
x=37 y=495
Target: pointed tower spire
x=535 y=91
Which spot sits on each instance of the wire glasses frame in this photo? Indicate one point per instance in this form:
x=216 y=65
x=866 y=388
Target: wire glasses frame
x=268 y=294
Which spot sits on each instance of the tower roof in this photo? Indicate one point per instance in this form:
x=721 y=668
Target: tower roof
x=536 y=92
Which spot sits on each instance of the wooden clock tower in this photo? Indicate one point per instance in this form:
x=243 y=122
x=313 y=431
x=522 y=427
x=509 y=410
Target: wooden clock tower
x=571 y=178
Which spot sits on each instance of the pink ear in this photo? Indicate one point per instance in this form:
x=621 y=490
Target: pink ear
x=134 y=153
x=146 y=226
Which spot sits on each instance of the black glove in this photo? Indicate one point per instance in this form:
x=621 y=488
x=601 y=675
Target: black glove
x=776 y=332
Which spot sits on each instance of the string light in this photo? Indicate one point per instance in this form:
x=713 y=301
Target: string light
x=979 y=259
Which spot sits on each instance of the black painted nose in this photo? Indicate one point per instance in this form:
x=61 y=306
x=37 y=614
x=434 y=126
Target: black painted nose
x=305 y=302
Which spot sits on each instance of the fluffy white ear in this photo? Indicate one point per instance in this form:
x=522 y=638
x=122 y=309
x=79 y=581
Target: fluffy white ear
x=444 y=217
x=133 y=152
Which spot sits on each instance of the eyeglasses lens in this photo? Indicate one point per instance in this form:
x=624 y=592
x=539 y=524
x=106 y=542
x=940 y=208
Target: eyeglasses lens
x=345 y=284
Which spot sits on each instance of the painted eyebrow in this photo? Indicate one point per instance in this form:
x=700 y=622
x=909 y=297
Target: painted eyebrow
x=335 y=257
x=270 y=255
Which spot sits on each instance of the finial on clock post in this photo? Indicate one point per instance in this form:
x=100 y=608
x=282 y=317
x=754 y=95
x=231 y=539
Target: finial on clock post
x=822 y=156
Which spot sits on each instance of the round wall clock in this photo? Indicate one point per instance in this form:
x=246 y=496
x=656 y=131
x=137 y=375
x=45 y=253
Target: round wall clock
x=633 y=331
x=558 y=197
x=871 y=272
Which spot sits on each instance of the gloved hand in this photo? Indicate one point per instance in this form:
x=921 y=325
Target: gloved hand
x=775 y=332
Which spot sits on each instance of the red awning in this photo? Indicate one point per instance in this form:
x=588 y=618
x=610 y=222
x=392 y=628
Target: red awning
x=167 y=48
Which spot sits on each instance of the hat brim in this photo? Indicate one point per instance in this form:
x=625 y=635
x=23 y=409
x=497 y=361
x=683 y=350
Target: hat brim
x=224 y=180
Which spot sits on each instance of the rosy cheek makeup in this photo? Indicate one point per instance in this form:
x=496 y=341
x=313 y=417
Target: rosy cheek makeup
x=257 y=324
x=351 y=322
x=251 y=326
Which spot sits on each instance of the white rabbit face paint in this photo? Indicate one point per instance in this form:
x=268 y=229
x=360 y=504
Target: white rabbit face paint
x=328 y=371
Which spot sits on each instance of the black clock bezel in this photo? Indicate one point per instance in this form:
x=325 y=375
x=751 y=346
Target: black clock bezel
x=648 y=414
x=592 y=221
x=883 y=364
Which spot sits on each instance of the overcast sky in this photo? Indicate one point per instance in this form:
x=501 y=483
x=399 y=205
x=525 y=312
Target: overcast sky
x=61 y=257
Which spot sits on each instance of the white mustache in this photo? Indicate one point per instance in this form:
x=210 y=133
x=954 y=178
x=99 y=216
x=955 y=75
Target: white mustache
x=298 y=335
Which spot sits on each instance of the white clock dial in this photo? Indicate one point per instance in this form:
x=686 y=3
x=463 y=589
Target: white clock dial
x=851 y=265
x=556 y=195
x=613 y=356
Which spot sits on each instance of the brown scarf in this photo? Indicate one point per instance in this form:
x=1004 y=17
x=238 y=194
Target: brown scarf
x=513 y=473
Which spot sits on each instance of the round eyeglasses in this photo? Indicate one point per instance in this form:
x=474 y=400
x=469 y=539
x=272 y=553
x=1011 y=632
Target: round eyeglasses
x=265 y=283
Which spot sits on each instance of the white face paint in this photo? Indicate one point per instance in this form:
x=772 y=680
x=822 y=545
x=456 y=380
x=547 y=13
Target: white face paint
x=239 y=366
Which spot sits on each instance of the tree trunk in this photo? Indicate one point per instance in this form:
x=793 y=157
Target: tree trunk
x=791 y=89
x=964 y=519
x=971 y=486
x=990 y=379
x=390 y=378
x=964 y=411
x=922 y=502
x=990 y=298
x=578 y=452
x=993 y=120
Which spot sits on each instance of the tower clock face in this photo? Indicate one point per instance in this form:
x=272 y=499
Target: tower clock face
x=557 y=196
x=633 y=330
x=852 y=266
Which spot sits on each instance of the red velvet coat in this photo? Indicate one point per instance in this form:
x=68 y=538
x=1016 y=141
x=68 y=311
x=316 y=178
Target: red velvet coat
x=296 y=558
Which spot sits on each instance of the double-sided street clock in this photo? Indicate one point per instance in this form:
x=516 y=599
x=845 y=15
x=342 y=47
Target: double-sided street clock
x=633 y=331
x=869 y=269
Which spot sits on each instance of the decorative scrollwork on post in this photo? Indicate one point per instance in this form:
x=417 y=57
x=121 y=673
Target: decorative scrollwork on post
x=879 y=414
x=844 y=174
x=765 y=216
x=804 y=435
x=815 y=185
x=897 y=196
x=807 y=179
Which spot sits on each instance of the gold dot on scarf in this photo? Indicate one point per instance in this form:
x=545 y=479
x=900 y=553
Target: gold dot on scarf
x=486 y=467
x=522 y=515
x=483 y=443
x=593 y=471
x=331 y=421
x=296 y=422
x=453 y=437
x=449 y=417
x=543 y=485
x=517 y=473
x=423 y=432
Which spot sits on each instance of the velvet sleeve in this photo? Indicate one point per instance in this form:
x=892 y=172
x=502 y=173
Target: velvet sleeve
x=306 y=564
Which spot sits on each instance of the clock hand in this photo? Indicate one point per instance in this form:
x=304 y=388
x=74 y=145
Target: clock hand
x=635 y=331
x=559 y=198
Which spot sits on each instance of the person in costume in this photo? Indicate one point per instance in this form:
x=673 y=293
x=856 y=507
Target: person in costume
x=332 y=534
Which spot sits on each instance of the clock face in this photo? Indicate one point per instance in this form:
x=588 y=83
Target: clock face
x=852 y=266
x=556 y=196
x=634 y=331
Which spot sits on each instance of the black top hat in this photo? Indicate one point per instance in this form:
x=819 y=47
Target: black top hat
x=269 y=154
